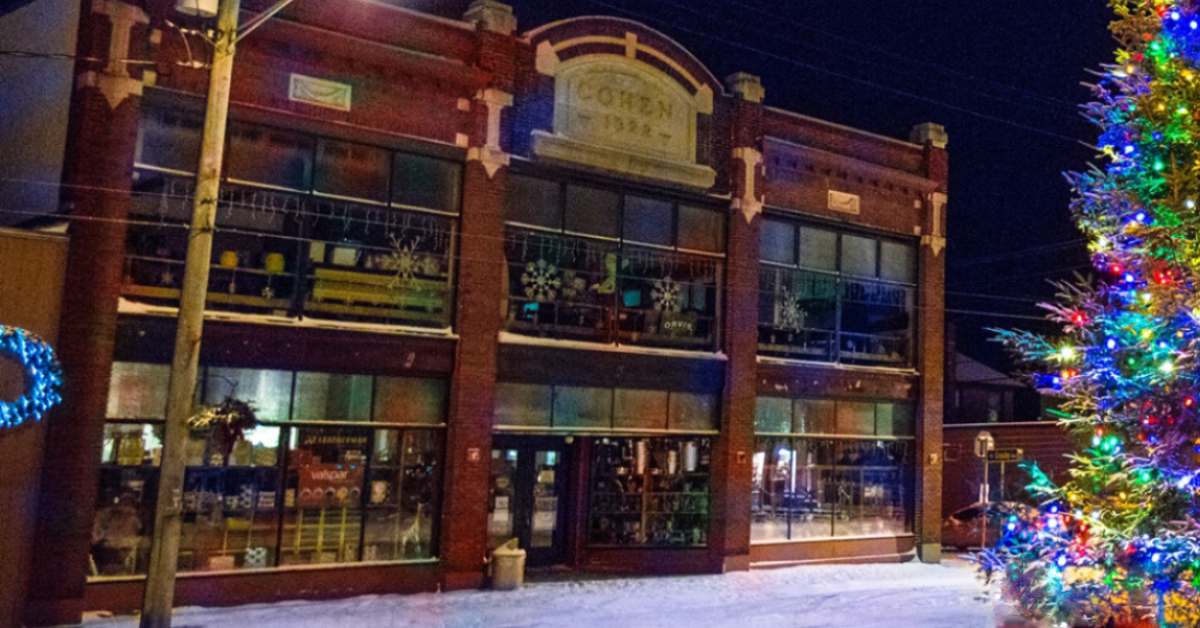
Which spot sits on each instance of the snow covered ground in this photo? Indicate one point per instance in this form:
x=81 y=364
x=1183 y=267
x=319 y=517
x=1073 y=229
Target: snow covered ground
x=909 y=595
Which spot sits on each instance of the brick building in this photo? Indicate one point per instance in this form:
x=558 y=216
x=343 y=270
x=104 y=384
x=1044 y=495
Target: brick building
x=560 y=284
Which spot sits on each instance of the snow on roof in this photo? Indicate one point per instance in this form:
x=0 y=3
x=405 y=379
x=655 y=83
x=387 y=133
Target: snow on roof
x=968 y=370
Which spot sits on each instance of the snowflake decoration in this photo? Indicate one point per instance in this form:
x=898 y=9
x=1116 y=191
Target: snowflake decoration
x=791 y=316
x=541 y=281
x=574 y=287
x=666 y=295
x=403 y=261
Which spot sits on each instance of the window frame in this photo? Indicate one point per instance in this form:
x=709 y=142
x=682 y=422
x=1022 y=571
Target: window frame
x=283 y=467
x=314 y=139
x=623 y=191
x=792 y=439
x=841 y=278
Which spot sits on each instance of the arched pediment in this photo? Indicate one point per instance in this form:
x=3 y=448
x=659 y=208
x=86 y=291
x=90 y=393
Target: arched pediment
x=626 y=99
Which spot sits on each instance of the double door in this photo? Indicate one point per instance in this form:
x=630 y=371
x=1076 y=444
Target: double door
x=527 y=498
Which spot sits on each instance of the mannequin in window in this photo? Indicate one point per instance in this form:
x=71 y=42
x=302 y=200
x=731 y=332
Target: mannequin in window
x=117 y=535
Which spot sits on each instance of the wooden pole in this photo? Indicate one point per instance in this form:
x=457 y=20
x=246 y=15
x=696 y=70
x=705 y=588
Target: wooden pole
x=160 y=578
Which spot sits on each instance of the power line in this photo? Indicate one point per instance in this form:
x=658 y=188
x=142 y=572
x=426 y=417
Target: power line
x=31 y=54
x=1060 y=107
x=913 y=60
x=808 y=66
x=987 y=259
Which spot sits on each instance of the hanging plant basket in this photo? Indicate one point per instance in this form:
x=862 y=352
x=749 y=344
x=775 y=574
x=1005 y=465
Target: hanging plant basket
x=225 y=423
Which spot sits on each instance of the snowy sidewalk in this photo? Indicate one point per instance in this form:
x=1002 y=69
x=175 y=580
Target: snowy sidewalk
x=860 y=596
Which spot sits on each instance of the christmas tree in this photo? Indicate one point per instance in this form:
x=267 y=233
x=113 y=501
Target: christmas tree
x=1118 y=542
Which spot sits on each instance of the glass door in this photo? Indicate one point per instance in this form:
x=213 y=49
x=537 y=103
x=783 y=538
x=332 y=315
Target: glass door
x=527 y=499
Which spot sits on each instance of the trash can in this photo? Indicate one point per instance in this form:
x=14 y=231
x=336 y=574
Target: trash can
x=508 y=566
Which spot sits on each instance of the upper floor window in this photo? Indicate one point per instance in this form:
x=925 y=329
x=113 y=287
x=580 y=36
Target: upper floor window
x=835 y=296
x=306 y=225
x=594 y=263
x=270 y=156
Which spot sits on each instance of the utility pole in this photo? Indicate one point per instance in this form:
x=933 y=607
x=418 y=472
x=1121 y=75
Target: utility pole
x=164 y=553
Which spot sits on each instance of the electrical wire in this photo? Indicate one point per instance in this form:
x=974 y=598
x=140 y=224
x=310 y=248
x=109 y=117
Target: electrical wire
x=998 y=257
x=1061 y=107
x=859 y=44
x=866 y=82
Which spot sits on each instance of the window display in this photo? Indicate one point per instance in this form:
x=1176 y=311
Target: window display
x=307 y=225
x=855 y=479
x=835 y=297
x=649 y=492
x=789 y=498
x=359 y=491
x=229 y=505
x=589 y=263
x=120 y=542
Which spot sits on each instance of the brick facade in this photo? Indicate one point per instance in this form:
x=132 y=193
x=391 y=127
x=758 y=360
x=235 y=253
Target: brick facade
x=479 y=93
x=1043 y=442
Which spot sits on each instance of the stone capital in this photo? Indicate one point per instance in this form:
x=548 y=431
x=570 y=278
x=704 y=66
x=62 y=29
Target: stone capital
x=746 y=86
x=493 y=16
x=929 y=133
x=122 y=17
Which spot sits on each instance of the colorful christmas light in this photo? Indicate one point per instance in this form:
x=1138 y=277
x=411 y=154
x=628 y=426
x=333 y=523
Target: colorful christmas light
x=1119 y=541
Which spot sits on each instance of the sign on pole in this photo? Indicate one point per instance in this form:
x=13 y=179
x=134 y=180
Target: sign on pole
x=1011 y=454
x=983 y=444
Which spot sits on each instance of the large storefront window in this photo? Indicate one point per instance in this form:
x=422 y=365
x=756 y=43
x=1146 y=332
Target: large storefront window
x=835 y=297
x=338 y=471
x=808 y=483
x=592 y=264
x=305 y=225
x=649 y=492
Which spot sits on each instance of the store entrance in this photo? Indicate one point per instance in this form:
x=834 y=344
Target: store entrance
x=527 y=499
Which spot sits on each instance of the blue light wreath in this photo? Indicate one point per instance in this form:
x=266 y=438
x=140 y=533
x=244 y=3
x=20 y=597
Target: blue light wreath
x=43 y=377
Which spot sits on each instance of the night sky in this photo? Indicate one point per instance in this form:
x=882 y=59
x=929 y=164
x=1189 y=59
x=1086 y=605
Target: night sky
x=884 y=66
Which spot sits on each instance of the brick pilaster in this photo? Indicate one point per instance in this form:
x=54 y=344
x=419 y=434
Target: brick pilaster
x=730 y=542
x=97 y=179
x=479 y=299
x=931 y=335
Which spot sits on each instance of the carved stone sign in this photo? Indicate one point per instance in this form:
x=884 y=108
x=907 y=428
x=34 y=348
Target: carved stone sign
x=620 y=114
x=624 y=104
